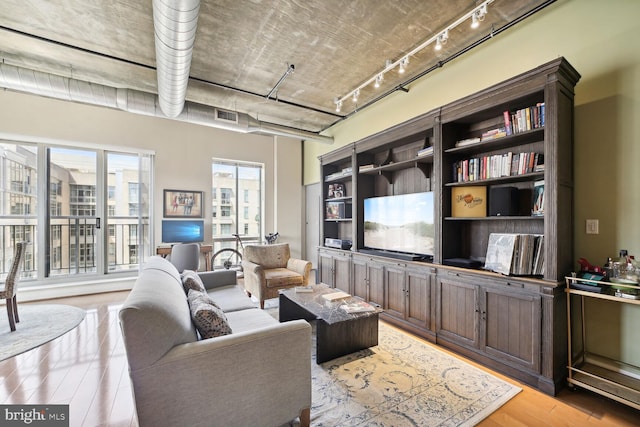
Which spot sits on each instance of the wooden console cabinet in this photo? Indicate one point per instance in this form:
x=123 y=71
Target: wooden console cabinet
x=516 y=325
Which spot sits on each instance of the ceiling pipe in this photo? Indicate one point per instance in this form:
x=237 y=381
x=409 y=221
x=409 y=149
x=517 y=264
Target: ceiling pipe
x=174 y=24
x=137 y=102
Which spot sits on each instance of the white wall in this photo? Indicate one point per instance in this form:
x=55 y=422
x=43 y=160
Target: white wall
x=183 y=152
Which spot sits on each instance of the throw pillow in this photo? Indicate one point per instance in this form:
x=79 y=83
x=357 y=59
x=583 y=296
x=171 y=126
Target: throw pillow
x=191 y=280
x=209 y=319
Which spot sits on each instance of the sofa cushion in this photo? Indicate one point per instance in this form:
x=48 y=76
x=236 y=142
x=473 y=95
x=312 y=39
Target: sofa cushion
x=249 y=320
x=209 y=319
x=231 y=298
x=191 y=280
x=278 y=277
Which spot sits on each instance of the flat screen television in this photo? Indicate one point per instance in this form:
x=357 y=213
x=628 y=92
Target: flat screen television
x=401 y=223
x=182 y=231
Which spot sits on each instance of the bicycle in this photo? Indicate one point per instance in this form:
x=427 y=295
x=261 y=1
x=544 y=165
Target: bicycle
x=231 y=258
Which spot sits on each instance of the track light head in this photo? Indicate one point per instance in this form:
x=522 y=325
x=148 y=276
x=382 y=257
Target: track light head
x=338 y=103
x=403 y=64
x=379 y=80
x=478 y=15
x=356 y=94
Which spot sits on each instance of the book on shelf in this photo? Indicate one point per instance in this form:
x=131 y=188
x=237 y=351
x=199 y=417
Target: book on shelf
x=497 y=166
x=304 y=289
x=493 y=134
x=425 y=151
x=468 y=141
x=537 y=204
x=358 y=307
x=334 y=296
x=524 y=119
x=363 y=168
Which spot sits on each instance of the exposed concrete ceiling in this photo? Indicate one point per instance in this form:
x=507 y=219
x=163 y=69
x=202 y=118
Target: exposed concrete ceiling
x=243 y=48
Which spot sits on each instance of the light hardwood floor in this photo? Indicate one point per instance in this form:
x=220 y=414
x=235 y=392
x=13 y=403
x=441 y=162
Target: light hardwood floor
x=87 y=369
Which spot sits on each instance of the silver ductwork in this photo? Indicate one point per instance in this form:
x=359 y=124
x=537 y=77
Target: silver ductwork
x=174 y=24
x=138 y=102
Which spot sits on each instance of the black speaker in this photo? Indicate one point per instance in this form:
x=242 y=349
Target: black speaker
x=503 y=201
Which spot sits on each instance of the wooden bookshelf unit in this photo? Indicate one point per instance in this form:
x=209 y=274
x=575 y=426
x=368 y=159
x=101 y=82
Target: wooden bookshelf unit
x=513 y=137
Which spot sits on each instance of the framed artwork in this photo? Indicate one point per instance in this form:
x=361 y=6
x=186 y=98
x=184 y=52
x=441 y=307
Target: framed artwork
x=182 y=204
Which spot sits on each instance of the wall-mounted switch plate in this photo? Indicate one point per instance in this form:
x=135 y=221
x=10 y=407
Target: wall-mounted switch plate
x=592 y=226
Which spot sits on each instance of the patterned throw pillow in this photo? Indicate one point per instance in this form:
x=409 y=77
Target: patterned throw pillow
x=209 y=319
x=191 y=280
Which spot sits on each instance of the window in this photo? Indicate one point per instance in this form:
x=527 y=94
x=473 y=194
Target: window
x=66 y=220
x=225 y=196
x=238 y=206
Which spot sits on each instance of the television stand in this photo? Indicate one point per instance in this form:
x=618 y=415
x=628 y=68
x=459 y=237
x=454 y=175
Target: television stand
x=396 y=255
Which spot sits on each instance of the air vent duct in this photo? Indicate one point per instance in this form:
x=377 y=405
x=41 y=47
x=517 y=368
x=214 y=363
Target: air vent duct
x=226 y=116
x=137 y=102
x=174 y=23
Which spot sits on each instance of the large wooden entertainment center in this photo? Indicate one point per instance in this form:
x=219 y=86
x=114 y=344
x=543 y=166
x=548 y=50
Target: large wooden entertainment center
x=514 y=324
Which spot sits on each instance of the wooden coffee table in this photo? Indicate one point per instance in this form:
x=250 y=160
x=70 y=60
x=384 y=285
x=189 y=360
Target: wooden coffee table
x=337 y=332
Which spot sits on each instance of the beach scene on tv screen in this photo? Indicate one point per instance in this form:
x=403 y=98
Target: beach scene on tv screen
x=400 y=223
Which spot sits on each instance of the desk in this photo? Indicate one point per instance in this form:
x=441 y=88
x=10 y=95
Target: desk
x=205 y=250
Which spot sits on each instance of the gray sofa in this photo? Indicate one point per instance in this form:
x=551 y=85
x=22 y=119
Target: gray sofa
x=259 y=375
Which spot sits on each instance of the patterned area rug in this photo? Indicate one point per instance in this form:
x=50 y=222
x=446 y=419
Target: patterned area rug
x=402 y=382
x=39 y=324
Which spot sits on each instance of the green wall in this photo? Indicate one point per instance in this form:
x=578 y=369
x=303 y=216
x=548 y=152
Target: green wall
x=599 y=38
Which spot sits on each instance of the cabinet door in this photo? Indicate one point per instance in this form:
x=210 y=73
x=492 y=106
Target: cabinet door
x=342 y=276
x=419 y=285
x=360 y=278
x=458 y=311
x=325 y=268
x=375 y=274
x=395 y=290
x=512 y=326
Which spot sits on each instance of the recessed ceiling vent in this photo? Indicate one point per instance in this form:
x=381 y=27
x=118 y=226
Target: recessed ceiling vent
x=226 y=116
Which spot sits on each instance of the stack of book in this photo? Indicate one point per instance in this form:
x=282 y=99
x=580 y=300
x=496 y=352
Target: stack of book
x=515 y=254
x=425 y=151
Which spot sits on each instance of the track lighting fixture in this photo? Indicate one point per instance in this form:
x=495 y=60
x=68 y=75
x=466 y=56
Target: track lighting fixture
x=442 y=39
x=379 y=80
x=403 y=64
x=476 y=15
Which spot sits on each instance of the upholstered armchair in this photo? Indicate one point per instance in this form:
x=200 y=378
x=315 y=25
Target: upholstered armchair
x=268 y=268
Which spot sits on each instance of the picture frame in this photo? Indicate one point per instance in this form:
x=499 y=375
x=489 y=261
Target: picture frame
x=183 y=204
x=336 y=191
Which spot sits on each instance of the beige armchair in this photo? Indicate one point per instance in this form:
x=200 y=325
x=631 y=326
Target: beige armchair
x=268 y=268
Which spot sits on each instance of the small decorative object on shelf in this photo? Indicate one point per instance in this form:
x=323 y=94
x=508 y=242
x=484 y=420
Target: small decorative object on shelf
x=335 y=191
x=537 y=208
x=469 y=202
x=337 y=210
